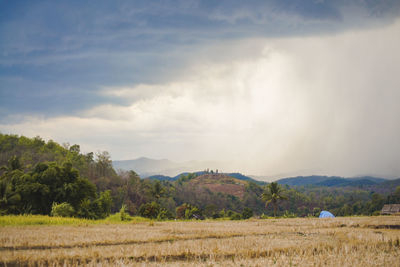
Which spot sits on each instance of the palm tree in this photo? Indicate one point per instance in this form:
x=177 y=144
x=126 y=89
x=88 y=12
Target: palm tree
x=273 y=194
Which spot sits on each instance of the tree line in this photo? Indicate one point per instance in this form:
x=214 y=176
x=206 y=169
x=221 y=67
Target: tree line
x=39 y=177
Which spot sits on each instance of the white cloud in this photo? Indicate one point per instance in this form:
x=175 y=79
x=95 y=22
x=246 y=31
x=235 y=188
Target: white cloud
x=324 y=104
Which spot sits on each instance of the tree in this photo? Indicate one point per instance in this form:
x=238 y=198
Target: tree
x=157 y=190
x=98 y=208
x=104 y=164
x=247 y=213
x=149 y=210
x=9 y=199
x=13 y=164
x=273 y=194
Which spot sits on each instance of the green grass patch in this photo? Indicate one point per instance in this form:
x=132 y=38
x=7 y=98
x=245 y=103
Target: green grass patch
x=20 y=220
x=24 y=220
x=116 y=218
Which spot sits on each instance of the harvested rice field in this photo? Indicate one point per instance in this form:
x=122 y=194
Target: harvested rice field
x=346 y=241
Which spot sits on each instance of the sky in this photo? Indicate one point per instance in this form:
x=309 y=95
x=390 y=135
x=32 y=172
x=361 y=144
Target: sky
x=279 y=87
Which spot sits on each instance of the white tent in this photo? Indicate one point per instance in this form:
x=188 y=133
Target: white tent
x=326 y=214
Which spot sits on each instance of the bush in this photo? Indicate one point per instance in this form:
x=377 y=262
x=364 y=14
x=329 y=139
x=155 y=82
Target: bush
x=164 y=214
x=316 y=212
x=216 y=216
x=96 y=209
x=193 y=212
x=62 y=210
x=234 y=215
x=187 y=211
x=123 y=214
x=287 y=214
x=376 y=213
x=247 y=213
x=149 y=210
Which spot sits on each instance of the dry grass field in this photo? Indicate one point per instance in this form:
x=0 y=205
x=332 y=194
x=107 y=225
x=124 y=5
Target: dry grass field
x=347 y=241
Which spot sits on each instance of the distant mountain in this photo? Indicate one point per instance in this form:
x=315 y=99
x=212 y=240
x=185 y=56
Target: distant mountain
x=341 y=182
x=331 y=181
x=245 y=178
x=146 y=167
x=143 y=164
x=172 y=178
x=304 y=180
x=236 y=175
x=371 y=178
x=161 y=178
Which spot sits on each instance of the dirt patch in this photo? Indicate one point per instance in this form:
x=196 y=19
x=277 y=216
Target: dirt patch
x=220 y=183
x=230 y=189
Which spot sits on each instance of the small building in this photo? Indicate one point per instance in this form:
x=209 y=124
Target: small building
x=391 y=209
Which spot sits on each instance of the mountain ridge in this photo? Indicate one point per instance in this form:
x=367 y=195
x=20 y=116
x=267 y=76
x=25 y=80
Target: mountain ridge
x=235 y=175
x=146 y=167
x=331 y=181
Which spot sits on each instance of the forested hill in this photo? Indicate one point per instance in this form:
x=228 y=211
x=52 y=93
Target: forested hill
x=331 y=181
x=40 y=177
x=234 y=175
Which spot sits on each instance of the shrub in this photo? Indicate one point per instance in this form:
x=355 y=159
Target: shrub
x=234 y=215
x=123 y=214
x=216 y=216
x=62 y=210
x=247 y=213
x=376 y=213
x=288 y=214
x=316 y=212
x=97 y=208
x=187 y=211
x=149 y=210
x=192 y=212
x=164 y=214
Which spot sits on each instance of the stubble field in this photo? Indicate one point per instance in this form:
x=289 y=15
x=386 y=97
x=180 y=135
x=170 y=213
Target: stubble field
x=348 y=241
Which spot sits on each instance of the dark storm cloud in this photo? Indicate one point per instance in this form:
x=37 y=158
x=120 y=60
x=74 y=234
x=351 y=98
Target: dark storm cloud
x=57 y=55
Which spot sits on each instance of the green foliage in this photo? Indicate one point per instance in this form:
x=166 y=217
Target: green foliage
x=288 y=214
x=234 y=215
x=187 y=211
x=116 y=218
x=149 y=210
x=164 y=214
x=185 y=178
x=9 y=199
x=35 y=173
x=123 y=214
x=273 y=194
x=22 y=220
x=247 y=213
x=98 y=208
x=62 y=210
x=192 y=212
x=36 y=190
x=394 y=197
x=316 y=212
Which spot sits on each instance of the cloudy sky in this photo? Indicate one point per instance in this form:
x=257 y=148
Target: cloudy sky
x=272 y=87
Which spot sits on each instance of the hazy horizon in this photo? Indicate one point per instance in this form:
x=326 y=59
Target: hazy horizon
x=271 y=87
x=178 y=167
